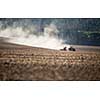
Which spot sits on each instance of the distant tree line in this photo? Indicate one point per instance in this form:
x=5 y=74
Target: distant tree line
x=85 y=31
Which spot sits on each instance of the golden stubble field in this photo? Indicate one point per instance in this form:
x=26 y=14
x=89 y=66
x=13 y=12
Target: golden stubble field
x=27 y=63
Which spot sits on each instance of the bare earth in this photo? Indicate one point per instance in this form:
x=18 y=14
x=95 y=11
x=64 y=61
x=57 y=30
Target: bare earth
x=30 y=63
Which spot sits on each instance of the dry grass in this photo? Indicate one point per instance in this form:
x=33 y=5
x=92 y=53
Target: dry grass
x=45 y=64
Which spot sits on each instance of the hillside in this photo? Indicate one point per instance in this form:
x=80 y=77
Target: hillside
x=19 y=62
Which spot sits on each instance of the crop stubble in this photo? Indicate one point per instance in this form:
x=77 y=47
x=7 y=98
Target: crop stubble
x=44 y=64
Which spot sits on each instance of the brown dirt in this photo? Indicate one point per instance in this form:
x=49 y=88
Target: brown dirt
x=30 y=63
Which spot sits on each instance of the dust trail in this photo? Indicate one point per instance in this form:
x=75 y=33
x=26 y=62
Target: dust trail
x=26 y=33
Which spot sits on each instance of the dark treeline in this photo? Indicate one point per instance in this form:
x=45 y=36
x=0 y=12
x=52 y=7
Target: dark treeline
x=84 y=31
